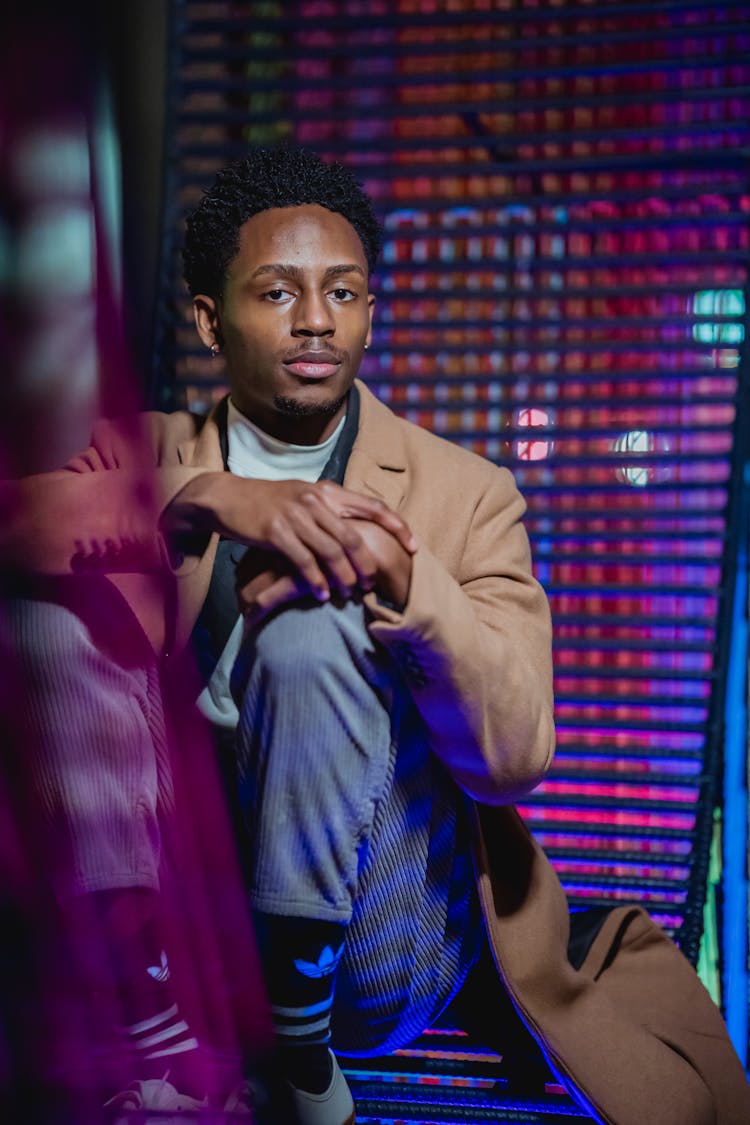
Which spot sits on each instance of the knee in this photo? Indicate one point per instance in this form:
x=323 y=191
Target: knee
x=304 y=645
x=318 y=668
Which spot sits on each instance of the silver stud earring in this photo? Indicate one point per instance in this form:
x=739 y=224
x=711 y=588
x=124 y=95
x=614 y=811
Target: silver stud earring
x=214 y=351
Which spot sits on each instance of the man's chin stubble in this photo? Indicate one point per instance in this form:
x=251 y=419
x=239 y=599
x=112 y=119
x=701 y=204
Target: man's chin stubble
x=294 y=409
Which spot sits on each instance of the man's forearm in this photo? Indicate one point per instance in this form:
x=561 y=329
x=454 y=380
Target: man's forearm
x=63 y=523
x=70 y=522
x=204 y=504
x=330 y=537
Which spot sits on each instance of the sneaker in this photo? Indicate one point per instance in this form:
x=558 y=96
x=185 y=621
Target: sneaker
x=242 y=1100
x=161 y=1098
x=154 y=1094
x=335 y=1106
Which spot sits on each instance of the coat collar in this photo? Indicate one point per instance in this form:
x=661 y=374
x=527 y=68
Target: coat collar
x=204 y=450
x=377 y=465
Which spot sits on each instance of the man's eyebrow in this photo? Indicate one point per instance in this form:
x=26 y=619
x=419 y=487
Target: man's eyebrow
x=286 y=269
x=337 y=271
x=278 y=269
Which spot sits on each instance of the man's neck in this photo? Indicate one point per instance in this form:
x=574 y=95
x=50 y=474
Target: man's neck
x=294 y=427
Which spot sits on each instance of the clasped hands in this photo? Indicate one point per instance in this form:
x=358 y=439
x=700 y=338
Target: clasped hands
x=316 y=539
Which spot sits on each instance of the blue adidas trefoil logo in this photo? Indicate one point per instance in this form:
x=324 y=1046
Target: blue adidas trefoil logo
x=160 y=972
x=323 y=967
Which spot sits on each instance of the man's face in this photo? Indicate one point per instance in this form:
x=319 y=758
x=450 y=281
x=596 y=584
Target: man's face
x=294 y=320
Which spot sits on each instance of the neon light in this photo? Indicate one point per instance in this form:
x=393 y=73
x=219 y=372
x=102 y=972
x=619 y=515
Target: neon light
x=721 y=302
x=593 y=763
x=637 y=441
x=650 y=845
x=637 y=791
x=620 y=869
x=532 y=450
x=620 y=817
x=735 y=882
x=625 y=894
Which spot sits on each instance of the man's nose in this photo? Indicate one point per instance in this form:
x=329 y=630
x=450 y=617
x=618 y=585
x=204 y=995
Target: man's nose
x=313 y=316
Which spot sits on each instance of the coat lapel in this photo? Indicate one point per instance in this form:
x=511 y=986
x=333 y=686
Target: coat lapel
x=378 y=465
x=204 y=450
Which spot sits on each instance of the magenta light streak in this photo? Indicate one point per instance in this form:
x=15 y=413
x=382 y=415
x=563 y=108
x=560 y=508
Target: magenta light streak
x=620 y=790
x=593 y=763
x=604 y=869
x=647 y=846
x=621 y=818
x=625 y=894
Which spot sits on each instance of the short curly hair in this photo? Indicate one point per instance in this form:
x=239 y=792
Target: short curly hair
x=267 y=178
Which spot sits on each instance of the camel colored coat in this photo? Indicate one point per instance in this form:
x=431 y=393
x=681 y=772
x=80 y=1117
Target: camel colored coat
x=632 y=1033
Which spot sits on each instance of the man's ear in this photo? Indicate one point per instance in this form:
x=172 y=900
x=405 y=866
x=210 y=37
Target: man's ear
x=206 y=313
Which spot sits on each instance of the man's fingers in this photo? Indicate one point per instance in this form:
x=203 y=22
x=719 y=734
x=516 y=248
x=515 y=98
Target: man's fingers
x=394 y=563
x=266 y=593
x=286 y=541
x=351 y=505
x=315 y=543
x=312 y=526
x=338 y=546
x=388 y=519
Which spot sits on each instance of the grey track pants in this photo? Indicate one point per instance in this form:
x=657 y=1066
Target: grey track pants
x=97 y=751
x=350 y=818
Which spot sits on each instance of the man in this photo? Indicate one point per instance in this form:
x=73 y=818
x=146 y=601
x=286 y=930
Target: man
x=388 y=693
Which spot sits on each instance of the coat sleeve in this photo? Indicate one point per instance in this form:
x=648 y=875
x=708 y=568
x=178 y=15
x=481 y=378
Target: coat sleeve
x=474 y=645
x=101 y=512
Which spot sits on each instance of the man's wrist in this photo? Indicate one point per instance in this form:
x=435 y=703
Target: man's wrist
x=199 y=506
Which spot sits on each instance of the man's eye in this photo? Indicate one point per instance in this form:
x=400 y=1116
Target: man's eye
x=276 y=294
x=343 y=294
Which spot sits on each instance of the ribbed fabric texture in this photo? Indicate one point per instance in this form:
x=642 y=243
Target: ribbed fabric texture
x=100 y=762
x=351 y=820
x=416 y=928
x=313 y=748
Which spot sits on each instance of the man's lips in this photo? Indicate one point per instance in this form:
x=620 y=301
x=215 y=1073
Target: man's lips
x=313 y=364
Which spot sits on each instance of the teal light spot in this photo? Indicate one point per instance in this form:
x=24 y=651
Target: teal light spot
x=719 y=302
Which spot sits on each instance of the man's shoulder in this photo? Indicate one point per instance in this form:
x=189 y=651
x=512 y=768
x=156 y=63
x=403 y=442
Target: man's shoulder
x=151 y=422
x=150 y=436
